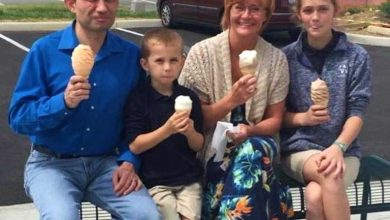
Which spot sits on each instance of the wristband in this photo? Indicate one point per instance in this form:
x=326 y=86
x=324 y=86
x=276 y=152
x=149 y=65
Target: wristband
x=342 y=146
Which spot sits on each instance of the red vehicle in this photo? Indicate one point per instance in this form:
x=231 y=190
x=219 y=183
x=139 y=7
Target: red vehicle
x=209 y=13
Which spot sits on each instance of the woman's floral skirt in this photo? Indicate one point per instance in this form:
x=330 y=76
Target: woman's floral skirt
x=243 y=185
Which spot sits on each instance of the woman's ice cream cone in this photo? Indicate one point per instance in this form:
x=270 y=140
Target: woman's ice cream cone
x=248 y=62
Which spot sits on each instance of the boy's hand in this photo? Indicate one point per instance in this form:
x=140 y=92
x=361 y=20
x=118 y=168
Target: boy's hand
x=189 y=128
x=177 y=123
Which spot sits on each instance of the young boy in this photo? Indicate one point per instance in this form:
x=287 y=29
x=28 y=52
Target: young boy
x=167 y=141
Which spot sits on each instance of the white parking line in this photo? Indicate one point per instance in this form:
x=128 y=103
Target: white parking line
x=131 y=32
x=27 y=49
x=151 y=2
x=9 y=40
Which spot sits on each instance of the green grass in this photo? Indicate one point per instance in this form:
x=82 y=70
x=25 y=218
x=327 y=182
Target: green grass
x=354 y=10
x=385 y=8
x=55 y=11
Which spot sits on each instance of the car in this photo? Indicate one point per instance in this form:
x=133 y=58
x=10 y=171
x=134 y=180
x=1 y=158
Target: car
x=209 y=13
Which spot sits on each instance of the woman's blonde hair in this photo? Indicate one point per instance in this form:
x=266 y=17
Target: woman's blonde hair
x=269 y=6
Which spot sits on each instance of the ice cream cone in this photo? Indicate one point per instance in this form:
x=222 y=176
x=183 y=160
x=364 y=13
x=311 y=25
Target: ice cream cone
x=183 y=103
x=248 y=61
x=319 y=93
x=83 y=59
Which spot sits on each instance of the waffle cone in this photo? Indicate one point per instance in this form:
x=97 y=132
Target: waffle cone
x=319 y=93
x=83 y=59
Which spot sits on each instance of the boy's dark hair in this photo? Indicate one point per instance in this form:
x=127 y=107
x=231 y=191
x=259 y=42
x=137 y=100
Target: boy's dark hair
x=160 y=35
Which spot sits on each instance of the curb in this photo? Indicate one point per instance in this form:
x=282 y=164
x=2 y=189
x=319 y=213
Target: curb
x=369 y=40
x=25 y=211
x=136 y=23
x=385 y=31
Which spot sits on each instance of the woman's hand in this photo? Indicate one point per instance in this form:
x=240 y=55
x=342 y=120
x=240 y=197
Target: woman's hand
x=240 y=136
x=243 y=89
x=315 y=115
x=331 y=162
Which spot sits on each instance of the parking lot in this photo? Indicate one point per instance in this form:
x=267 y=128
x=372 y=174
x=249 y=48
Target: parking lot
x=14 y=148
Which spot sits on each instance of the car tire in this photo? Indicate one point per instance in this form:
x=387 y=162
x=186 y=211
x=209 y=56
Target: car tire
x=166 y=15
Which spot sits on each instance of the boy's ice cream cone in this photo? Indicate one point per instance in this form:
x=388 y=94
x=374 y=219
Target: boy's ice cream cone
x=83 y=59
x=319 y=93
x=183 y=103
x=248 y=61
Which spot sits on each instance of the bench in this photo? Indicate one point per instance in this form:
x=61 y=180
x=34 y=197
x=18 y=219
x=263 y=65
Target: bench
x=369 y=193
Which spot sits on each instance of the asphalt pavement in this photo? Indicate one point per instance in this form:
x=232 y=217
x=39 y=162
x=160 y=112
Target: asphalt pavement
x=15 y=148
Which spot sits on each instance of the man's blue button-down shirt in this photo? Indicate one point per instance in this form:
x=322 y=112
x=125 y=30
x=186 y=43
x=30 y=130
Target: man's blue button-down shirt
x=95 y=127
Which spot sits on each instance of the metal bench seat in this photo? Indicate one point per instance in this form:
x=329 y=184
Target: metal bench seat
x=369 y=193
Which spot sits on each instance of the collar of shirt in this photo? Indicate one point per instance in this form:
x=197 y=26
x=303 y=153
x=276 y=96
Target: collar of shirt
x=340 y=45
x=69 y=41
x=155 y=95
x=326 y=50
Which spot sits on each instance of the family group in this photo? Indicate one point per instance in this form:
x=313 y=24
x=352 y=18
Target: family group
x=104 y=128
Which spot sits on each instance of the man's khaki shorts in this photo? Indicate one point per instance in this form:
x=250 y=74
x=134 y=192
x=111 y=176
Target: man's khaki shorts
x=185 y=200
x=293 y=165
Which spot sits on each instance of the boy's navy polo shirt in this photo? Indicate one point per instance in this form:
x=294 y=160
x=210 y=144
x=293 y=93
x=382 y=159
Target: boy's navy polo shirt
x=171 y=162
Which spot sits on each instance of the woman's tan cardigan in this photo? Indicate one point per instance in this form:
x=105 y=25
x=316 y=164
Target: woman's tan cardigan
x=207 y=71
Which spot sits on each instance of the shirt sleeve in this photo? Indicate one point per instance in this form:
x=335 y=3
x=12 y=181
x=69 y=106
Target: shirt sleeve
x=359 y=86
x=196 y=113
x=134 y=126
x=33 y=109
x=135 y=117
x=128 y=156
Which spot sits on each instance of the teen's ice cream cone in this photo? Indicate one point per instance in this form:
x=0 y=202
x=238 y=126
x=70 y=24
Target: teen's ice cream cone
x=248 y=61
x=319 y=92
x=83 y=59
x=183 y=103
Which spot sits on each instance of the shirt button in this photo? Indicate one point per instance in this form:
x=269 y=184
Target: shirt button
x=94 y=84
x=92 y=107
x=88 y=129
x=66 y=113
x=82 y=149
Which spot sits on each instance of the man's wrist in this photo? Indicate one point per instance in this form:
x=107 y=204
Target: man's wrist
x=343 y=147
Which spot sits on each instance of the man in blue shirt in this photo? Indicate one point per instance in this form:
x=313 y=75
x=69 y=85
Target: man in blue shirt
x=75 y=124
